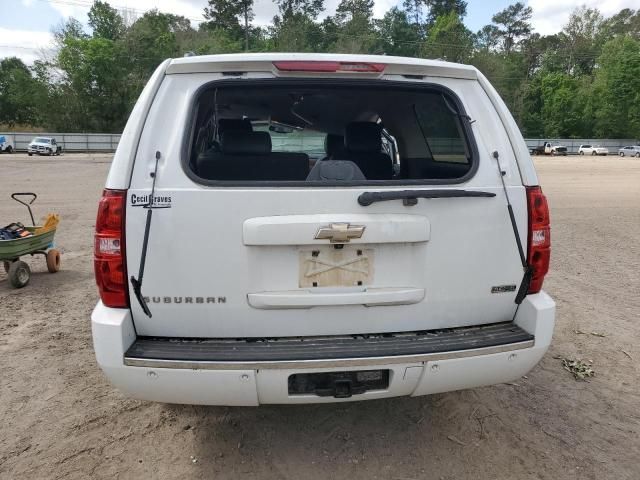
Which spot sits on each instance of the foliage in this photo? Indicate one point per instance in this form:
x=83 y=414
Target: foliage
x=582 y=81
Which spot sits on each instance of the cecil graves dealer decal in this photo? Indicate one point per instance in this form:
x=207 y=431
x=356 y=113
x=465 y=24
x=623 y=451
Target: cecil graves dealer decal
x=159 y=201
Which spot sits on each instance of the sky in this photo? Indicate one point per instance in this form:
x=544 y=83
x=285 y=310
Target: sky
x=25 y=25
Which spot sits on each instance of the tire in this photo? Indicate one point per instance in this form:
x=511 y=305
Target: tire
x=621 y=154
x=49 y=152
x=637 y=155
x=9 y=149
x=581 y=152
x=594 y=153
x=53 y=260
x=29 y=154
x=19 y=274
x=6 y=266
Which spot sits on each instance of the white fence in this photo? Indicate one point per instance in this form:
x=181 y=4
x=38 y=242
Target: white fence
x=70 y=142
x=107 y=142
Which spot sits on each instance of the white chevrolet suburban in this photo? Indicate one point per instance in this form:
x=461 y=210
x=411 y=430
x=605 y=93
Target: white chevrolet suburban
x=300 y=228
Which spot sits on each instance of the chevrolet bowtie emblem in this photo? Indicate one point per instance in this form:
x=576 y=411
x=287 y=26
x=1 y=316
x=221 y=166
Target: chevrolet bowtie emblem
x=339 y=232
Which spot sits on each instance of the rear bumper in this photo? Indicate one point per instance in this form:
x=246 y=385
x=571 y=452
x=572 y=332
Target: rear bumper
x=150 y=375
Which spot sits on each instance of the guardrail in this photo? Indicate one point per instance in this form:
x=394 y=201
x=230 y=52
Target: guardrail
x=107 y=142
x=70 y=142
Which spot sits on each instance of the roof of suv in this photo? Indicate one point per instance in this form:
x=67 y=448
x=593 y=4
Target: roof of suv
x=264 y=62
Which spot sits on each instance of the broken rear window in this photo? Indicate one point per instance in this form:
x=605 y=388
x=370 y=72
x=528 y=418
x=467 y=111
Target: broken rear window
x=272 y=131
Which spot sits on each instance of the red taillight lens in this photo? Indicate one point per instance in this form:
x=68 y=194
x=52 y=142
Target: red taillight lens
x=319 y=66
x=108 y=250
x=539 y=242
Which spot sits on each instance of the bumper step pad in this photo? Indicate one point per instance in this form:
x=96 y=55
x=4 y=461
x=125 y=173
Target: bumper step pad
x=286 y=349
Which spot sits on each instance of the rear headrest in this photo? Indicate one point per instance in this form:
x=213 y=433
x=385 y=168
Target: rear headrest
x=333 y=144
x=234 y=124
x=363 y=137
x=246 y=143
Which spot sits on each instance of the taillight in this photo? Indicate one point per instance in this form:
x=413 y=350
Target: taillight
x=321 y=66
x=539 y=241
x=109 y=258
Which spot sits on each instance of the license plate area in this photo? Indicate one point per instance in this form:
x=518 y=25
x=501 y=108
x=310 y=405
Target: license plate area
x=338 y=384
x=327 y=266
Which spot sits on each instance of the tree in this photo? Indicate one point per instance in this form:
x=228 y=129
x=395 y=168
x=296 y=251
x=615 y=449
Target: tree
x=307 y=8
x=295 y=29
x=487 y=38
x=449 y=39
x=513 y=24
x=414 y=11
x=153 y=38
x=562 y=105
x=626 y=21
x=20 y=93
x=581 y=40
x=105 y=21
x=225 y=15
x=397 y=36
x=438 y=8
x=354 y=22
x=616 y=88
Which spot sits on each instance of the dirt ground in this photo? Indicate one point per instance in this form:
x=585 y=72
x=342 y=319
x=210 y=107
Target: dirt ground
x=61 y=419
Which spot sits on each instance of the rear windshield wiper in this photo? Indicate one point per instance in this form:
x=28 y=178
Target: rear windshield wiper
x=410 y=197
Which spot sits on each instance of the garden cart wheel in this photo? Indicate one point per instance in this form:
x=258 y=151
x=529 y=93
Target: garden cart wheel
x=53 y=260
x=19 y=274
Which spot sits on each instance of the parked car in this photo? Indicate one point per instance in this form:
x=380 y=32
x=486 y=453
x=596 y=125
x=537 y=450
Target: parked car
x=355 y=273
x=5 y=145
x=548 y=149
x=632 y=151
x=44 y=146
x=593 y=150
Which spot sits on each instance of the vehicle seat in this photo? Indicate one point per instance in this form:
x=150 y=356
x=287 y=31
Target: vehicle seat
x=334 y=147
x=363 y=144
x=239 y=157
x=285 y=166
x=247 y=156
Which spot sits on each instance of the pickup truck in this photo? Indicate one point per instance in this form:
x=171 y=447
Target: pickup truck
x=44 y=146
x=5 y=145
x=548 y=149
x=237 y=268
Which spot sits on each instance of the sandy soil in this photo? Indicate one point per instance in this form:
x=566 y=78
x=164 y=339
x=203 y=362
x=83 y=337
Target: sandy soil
x=61 y=419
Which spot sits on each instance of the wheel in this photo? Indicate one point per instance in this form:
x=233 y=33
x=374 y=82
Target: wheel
x=49 y=152
x=6 y=266
x=637 y=155
x=594 y=153
x=622 y=154
x=581 y=152
x=19 y=274
x=29 y=153
x=553 y=153
x=53 y=260
x=9 y=149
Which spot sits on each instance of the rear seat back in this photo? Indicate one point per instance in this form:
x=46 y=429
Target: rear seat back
x=363 y=143
x=247 y=156
x=334 y=146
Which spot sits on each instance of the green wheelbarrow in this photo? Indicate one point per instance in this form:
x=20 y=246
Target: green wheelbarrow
x=36 y=244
